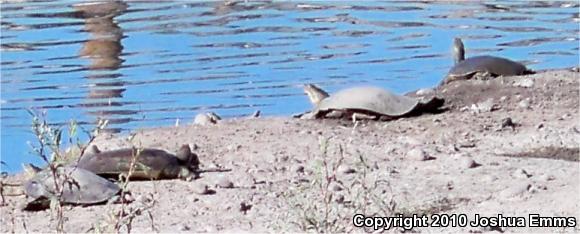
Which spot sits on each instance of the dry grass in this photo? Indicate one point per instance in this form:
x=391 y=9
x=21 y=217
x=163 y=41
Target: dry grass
x=331 y=198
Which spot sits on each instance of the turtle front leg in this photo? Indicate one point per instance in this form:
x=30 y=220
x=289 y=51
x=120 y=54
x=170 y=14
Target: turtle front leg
x=483 y=75
x=187 y=174
x=335 y=114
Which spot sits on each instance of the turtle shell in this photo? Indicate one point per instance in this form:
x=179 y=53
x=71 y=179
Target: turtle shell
x=150 y=164
x=80 y=186
x=494 y=65
x=372 y=100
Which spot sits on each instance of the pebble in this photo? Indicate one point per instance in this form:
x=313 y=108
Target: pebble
x=205 y=119
x=245 y=207
x=521 y=173
x=524 y=104
x=515 y=191
x=547 y=177
x=184 y=227
x=467 y=162
x=345 y=169
x=507 y=122
x=417 y=154
x=410 y=140
x=233 y=147
x=298 y=168
x=201 y=188
x=224 y=182
x=525 y=83
x=339 y=199
x=482 y=107
x=335 y=187
x=144 y=199
x=537 y=188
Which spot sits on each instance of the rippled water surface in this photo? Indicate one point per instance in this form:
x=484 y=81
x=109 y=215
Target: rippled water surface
x=141 y=63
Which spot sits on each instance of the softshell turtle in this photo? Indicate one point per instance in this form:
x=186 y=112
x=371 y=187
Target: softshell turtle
x=149 y=164
x=366 y=102
x=79 y=186
x=481 y=67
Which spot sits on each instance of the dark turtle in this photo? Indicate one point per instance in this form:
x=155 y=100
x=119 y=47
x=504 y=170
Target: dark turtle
x=481 y=67
x=149 y=164
x=366 y=102
x=79 y=186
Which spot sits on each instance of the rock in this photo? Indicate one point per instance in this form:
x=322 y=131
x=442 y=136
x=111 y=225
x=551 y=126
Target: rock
x=467 y=162
x=424 y=91
x=485 y=106
x=201 y=188
x=224 y=182
x=345 y=169
x=507 y=122
x=206 y=118
x=515 y=191
x=524 y=82
x=417 y=155
x=524 y=104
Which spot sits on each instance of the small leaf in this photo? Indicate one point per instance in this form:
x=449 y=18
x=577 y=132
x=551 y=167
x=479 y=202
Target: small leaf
x=73 y=128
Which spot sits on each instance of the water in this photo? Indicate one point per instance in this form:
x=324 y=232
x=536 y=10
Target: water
x=142 y=64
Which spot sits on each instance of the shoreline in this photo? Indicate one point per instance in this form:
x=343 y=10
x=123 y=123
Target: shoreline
x=465 y=160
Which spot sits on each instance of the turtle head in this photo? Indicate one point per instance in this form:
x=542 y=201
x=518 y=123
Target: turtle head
x=458 y=50
x=186 y=157
x=94 y=149
x=30 y=170
x=184 y=153
x=315 y=94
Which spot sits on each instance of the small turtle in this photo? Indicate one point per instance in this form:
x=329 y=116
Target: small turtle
x=481 y=67
x=365 y=102
x=149 y=164
x=79 y=186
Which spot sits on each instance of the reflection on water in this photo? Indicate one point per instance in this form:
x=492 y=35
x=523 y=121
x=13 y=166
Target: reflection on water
x=103 y=49
x=144 y=63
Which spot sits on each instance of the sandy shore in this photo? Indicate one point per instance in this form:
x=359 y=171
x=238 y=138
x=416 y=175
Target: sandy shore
x=298 y=175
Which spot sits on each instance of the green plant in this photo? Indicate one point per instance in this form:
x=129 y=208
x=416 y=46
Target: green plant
x=48 y=148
